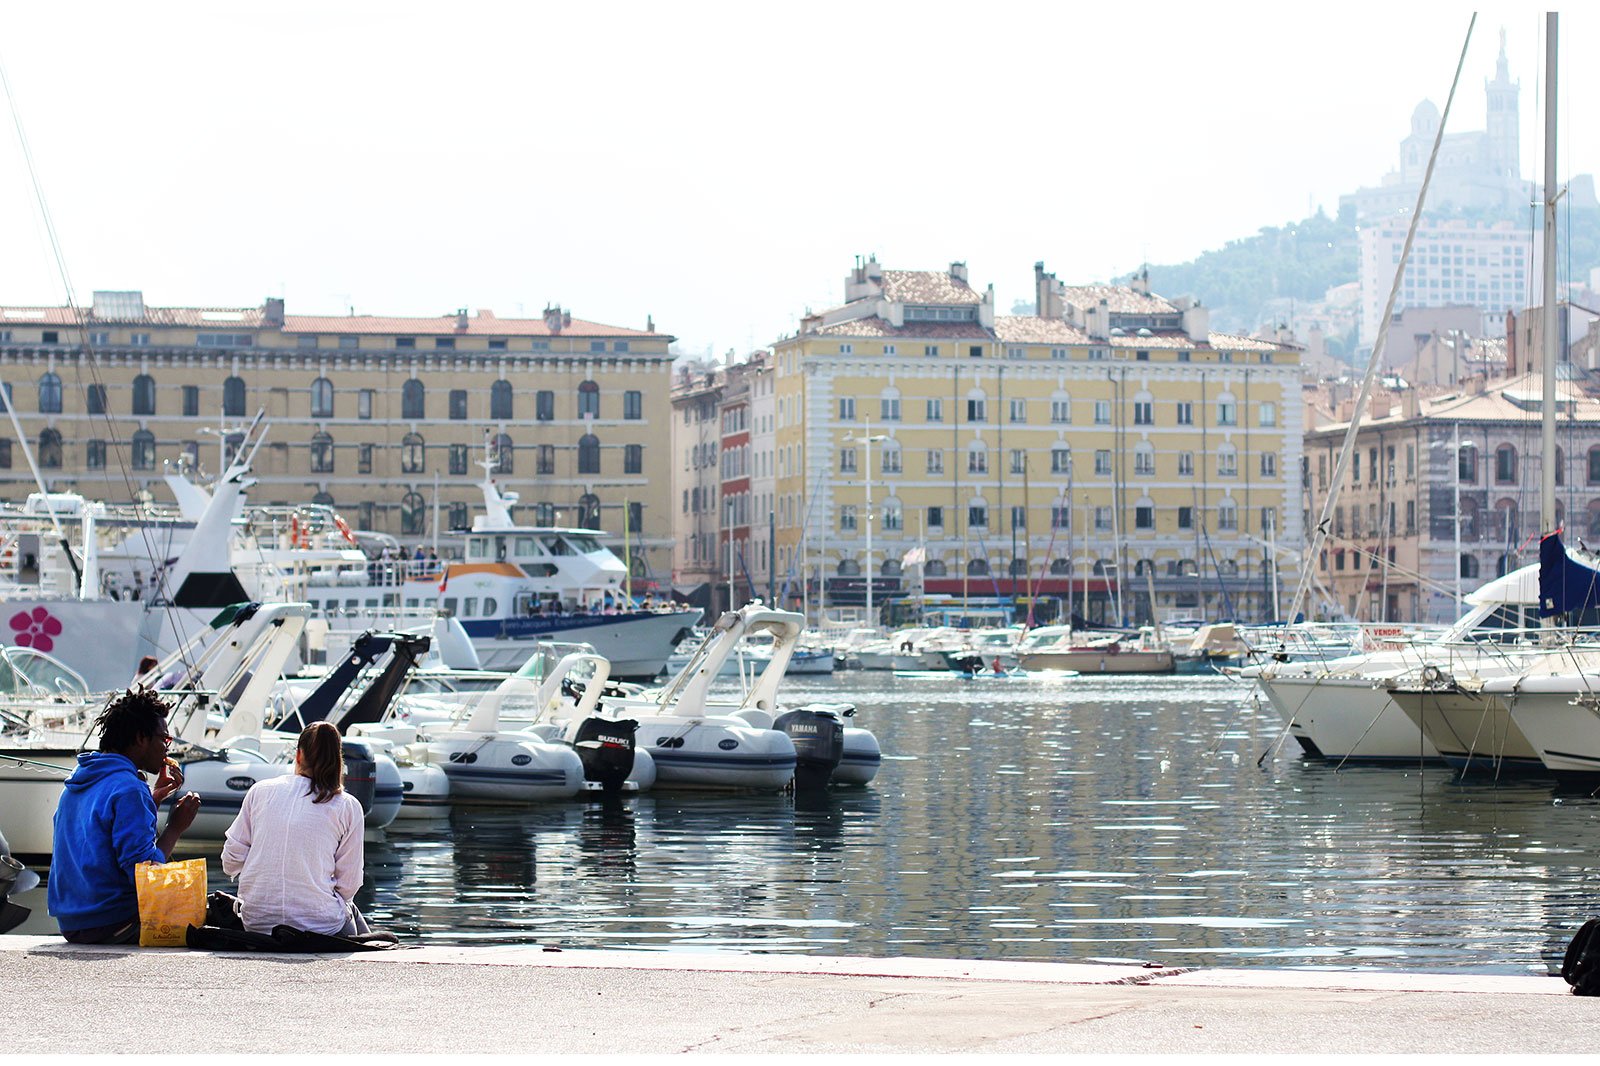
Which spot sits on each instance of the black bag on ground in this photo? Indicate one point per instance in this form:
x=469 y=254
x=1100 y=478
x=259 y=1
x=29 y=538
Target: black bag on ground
x=1581 y=967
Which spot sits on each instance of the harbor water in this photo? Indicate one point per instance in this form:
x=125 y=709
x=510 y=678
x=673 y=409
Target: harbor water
x=1089 y=818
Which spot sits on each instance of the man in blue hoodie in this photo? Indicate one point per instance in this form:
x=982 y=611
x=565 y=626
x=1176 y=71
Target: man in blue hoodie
x=105 y=823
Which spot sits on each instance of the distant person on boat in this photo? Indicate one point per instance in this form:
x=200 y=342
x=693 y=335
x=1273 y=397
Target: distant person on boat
x=105 y=824
x=296 y=846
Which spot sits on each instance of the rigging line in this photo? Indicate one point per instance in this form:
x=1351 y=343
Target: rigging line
x=73 y=309
x=1341 y=467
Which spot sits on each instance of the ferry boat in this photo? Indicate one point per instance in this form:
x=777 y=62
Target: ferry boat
x=517 y=585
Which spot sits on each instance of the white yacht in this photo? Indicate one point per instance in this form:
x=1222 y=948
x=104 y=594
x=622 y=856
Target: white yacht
x=1340 y=709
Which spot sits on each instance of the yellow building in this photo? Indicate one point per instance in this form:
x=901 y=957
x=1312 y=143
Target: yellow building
x=1113 y=434
x=367 y=413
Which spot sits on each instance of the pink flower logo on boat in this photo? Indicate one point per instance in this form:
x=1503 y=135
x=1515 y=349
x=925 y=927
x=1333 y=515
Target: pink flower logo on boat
x=35 y=629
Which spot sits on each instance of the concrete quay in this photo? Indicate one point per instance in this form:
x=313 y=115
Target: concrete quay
x=62 y=997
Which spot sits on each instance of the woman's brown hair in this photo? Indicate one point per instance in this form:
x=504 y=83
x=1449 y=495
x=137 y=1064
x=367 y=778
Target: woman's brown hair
x=322 y=759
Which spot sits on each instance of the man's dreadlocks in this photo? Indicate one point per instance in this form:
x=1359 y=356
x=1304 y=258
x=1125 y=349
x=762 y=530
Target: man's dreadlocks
x=130 y=717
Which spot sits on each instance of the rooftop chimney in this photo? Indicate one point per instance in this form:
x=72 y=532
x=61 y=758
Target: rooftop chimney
x=272 y=312
x=958 y=271
x=461 y=320
x=552 y=319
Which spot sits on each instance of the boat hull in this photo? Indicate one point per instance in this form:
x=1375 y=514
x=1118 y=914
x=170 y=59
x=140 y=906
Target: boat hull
x=1346 y=718
x=1472 y=730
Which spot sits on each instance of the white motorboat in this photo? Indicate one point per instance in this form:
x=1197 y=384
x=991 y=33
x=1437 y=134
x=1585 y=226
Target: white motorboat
x=1060 y=648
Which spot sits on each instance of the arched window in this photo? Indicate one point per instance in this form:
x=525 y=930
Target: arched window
x=412 y=400
x=1019 y=568
x=144 y=450
x=891 y=568
x=1594 y=465
x=1143 y=567
x=413 y=454
x=95 y=397
x=588 y=511
x=1188 y=568
x=500 y=401
x=49 y=394
x=1561 y=466
x=1467 y=462
x=1505 y=464
x=1228 y=568
x=323 y=499
x=233 y=398
x=321 y=399
x=49 y=449
x=413 y=513
x=589 y=454
x=503 y=454
x=1060 y=567
x=849 y=568
x=588 y=400
x=977 y=568
x=321 y=453
x=1469 y=519
x=934 y=568
x=144 y=395
x=1504 y=563
x=1104 y=566
x=1469 y=565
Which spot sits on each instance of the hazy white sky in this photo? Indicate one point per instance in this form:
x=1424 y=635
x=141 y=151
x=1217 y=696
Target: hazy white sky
x=715 y=166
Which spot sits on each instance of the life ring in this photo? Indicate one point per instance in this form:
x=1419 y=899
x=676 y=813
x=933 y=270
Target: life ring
x=1432 y=675
x=344 y=529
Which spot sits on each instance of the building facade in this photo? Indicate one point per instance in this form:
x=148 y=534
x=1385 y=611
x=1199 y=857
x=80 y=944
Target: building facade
x=1491 y=267
x=385 y=418
x=1108 y=448
x=1423 y=465
x=698 y=566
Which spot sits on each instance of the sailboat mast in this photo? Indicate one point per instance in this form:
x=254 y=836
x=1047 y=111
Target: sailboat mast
x=1547 y=501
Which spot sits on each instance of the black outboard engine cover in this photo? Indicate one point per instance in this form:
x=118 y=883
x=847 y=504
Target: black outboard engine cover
x=606 y=748
x=818 y=744
x=360 y=772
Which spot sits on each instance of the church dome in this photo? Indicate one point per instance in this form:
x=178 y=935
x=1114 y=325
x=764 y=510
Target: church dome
x=1425 y=119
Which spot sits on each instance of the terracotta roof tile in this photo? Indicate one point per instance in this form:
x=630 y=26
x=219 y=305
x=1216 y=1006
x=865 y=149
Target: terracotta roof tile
x=1030 y=329
x=872 y=326
x=1120 y=299
x=477 y=326
x=221 y=319
x=927 y=287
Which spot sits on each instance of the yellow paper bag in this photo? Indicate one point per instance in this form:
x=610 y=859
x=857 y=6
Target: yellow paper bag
x=172 y=897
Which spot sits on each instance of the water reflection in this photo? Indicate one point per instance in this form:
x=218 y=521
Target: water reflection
x=1100 y=818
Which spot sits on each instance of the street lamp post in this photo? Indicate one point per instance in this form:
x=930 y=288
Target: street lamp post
x=866 y=480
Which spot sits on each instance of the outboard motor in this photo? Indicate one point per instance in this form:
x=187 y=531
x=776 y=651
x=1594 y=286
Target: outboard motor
x=818 y=738
x=606 y=748
x=14 y=879
x=360 y=772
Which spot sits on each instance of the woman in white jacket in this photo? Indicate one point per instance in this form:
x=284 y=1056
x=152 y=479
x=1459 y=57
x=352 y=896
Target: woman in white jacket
x=296 y=846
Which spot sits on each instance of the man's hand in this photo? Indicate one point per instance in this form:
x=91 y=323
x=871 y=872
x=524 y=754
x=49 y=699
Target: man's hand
x=181 y=818
x=183 y=812
x=169 y=781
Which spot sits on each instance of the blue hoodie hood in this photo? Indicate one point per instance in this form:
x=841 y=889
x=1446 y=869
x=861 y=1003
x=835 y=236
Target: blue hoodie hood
x=95 y=766
x=105 y=825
